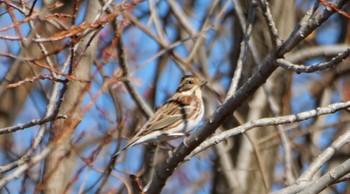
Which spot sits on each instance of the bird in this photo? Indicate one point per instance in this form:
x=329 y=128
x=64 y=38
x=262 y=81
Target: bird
x=176 y=118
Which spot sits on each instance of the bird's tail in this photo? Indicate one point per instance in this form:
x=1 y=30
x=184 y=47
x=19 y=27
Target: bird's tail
x=120 y=151
x=131 y=143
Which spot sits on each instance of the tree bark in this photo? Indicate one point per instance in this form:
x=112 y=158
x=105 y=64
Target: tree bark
x=60 y=163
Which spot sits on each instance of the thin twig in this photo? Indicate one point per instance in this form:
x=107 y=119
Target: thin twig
x=32 y=79
x=276 y=110
x=270 y=23
x=243 y=54
x=30 y=124
x=141 y=103
x=39 y=157
x=308 y=53
x=155 y=17
x=241 y=18
x=312 y=68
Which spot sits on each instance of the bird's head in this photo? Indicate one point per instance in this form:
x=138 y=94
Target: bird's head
x=190 y=84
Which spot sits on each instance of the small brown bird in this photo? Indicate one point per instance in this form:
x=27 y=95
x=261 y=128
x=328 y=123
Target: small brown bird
x=177 y=117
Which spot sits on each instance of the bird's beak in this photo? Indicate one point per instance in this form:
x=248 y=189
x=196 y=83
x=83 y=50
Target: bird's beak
x=203 y=83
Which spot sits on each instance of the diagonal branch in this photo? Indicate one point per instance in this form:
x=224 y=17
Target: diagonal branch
x=145 y=109
x=320 y=184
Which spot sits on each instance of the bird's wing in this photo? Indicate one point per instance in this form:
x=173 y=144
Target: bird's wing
x=164 y=122
x=170 y=113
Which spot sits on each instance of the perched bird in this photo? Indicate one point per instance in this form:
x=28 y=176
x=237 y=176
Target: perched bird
x=178 y=116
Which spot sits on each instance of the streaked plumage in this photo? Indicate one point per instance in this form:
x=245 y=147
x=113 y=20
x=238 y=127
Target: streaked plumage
x=179 y=115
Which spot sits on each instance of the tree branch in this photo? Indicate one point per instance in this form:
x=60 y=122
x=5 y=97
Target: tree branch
x=317 y=67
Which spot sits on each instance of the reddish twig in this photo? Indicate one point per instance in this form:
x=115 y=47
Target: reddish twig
x=19 y=22
x=32 y=8
x=31 y=80
x=332 y=6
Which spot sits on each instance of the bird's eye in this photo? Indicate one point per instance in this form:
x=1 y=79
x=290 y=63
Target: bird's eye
x=190 y=82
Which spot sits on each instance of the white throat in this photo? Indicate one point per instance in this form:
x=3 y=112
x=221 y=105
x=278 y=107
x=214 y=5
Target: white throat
x=194 y=91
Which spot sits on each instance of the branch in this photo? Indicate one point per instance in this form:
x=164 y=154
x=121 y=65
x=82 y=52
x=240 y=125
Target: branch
x=34 y=78
x=31 y=124
x=225 y=157
x=324 y=157
x=182 y=64
x=241 y=18
x=320 y=184
x=308 y=24
x=21 y=169
x=244 y=51
x=145 y=109
x=52 y=110
x=317 y=67
x=304 y=180
x=270 y=23
x=332 y=6
x=308 y=53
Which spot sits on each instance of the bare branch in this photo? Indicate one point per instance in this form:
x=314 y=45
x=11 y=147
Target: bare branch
x=25 y=166
x=305 y=180
x=243 y=22
x=317 y=67
x=146 y=110
x=270 y=23
x=31 y=124
x=328 y=178
x=319 y=184
x=305 y=54
x=244 y=51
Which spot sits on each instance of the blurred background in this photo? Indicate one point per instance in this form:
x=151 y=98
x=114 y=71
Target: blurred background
x=85 y=75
